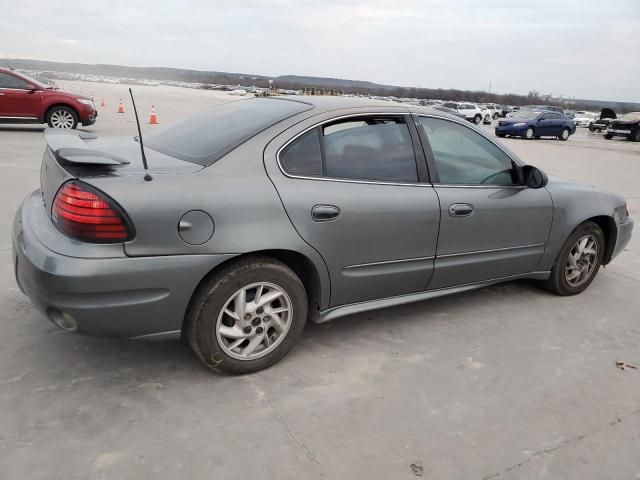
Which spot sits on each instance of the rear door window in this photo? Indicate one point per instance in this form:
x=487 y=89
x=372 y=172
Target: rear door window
x=303 y=155
x=369 y=148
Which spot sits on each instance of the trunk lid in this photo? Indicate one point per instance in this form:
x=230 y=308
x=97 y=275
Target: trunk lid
x=78 y=155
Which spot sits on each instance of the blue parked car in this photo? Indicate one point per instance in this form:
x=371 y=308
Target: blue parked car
x=535 y=124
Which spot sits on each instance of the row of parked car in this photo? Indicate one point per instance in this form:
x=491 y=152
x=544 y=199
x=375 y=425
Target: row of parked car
x=536 y=121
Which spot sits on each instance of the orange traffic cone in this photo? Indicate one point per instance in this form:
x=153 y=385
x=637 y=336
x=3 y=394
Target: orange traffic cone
x=120 y=107
x=102 y=104
x=153 y=119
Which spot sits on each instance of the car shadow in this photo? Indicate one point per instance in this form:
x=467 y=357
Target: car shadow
x=120 y=360
x=22 y=128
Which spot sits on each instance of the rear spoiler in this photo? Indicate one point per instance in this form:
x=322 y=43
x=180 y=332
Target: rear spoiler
x=70 y=147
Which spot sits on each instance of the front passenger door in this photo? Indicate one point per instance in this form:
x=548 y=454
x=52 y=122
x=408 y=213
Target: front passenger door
x=491 y=226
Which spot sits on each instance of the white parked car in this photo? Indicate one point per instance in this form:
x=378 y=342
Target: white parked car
x=582 y=119
x=471 y=112
x=496 y=110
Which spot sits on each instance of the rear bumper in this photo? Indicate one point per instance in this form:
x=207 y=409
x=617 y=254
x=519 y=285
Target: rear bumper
x=112 y=296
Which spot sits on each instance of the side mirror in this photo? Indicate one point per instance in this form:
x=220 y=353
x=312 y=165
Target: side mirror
x=31 y=88
x=534 y=177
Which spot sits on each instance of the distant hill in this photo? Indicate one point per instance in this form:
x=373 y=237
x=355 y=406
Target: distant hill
x=184 y=75
x=299 y=82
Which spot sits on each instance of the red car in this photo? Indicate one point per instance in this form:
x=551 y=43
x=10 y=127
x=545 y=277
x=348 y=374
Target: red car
x=25 y=100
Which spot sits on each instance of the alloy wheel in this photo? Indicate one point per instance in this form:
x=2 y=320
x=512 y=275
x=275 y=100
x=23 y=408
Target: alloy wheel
x=565 y=134
x=581 y=261
x=254 y=321
x=62 y=119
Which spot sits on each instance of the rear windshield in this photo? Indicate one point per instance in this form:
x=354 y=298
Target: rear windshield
x=208 y=136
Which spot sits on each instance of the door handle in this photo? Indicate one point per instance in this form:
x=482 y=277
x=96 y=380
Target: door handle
x=324 y=213
x=460 y=210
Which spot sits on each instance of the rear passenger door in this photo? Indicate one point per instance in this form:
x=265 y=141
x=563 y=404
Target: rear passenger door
x=356 y=190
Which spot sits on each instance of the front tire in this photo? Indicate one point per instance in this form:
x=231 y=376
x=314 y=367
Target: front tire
x=529 y=133
x=579 y=260
x=564 y=136
x=247 y=316
x=62 y=117
x=608 y=136
x=477 y=119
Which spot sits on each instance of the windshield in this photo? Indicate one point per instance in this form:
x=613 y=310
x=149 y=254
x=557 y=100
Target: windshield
x=630 y=117
x=526 y=115
x=208 y=136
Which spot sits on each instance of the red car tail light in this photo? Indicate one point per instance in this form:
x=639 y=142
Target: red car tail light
x=87 y=214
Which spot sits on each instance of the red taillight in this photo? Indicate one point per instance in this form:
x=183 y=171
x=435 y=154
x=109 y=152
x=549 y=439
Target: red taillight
x=85 y=213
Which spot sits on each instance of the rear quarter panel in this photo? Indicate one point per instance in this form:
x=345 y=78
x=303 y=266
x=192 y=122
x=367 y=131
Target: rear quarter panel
x=236 y=193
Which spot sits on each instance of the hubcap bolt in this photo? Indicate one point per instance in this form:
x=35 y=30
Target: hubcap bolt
x=259 y=330
x=255 y=322
x=247 y=316
x=267 y=318
x=259 y=310
x=246 y=329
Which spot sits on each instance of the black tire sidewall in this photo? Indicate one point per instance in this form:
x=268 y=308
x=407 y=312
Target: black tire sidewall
x=215 y=294
x=477 y=119
x=558 y=282
x=66 y=109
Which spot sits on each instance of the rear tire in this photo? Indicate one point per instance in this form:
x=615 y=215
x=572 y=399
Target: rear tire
x=496 y=115
x=586 y=268
x=217 y=317
x=635 y=137
x=608 y=136
x=62 y=117
x=501 y=135
x=477 y=119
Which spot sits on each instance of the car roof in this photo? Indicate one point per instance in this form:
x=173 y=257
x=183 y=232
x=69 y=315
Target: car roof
x=329 y=103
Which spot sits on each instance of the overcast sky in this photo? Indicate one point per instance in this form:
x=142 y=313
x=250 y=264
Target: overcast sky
x=581 y=48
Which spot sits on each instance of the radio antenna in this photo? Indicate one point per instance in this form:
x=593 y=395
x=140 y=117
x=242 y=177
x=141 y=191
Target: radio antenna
x=147 y=176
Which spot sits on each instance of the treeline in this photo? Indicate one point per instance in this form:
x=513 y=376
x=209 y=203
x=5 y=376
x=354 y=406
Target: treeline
x=291 y=82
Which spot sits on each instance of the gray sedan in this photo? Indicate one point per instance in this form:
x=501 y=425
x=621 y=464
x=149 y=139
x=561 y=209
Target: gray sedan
x=263 y=213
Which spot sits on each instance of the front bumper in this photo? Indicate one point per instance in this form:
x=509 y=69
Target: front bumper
x=625 y=230
x=509 y=130
x=111 y=296
x=89 y=119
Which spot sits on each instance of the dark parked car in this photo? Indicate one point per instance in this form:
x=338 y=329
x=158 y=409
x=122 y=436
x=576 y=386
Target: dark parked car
x=26 y=100
x=535 y=124
x=601 y=122
x=266 y=212
x=627 y=126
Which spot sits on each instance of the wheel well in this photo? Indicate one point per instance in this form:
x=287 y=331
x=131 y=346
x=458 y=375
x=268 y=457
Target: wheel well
x=608 y=226
x=299 y=263
x=46 y=113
